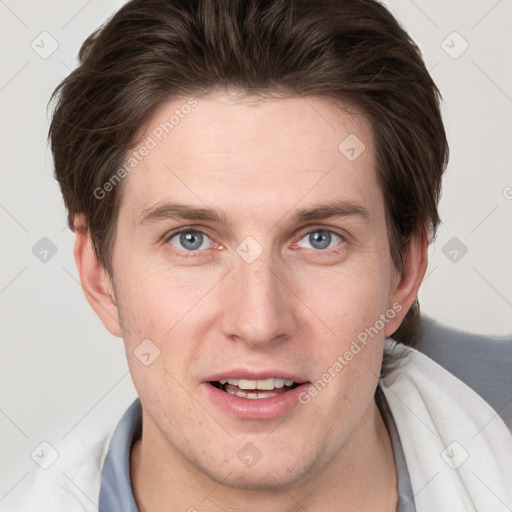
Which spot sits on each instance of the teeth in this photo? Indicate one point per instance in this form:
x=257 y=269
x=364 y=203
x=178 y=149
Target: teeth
x=262 y=384
x=254 y=396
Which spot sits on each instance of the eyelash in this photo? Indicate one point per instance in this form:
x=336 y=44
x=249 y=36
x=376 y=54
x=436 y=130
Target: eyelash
x=187 y=254
x=197 y=253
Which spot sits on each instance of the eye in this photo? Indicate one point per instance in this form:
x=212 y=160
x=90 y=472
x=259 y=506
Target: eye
x=321 y=239
x=190 y=240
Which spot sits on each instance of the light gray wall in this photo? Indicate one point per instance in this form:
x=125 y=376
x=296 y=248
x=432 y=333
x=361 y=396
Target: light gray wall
x=61 y=373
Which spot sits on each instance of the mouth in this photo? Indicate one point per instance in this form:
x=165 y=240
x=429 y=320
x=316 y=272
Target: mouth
x=255 y=389
x=258 y=398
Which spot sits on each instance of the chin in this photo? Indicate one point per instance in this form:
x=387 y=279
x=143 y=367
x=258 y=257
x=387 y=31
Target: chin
x=285 y=469
x=264 y=479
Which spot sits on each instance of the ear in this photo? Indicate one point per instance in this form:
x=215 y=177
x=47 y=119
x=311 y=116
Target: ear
x=406 y=284
x=96 y=282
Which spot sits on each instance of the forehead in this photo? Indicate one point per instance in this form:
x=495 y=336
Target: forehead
x=253 y=155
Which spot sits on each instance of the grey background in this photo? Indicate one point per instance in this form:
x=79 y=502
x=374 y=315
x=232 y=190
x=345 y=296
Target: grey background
x=62 y=374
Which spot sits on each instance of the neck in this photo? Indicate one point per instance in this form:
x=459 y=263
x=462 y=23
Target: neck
x=361 y=476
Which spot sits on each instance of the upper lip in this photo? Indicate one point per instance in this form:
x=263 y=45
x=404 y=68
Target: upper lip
x=255 y=375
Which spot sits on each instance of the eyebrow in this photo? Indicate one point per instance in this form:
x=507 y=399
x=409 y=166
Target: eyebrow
x=179 y=211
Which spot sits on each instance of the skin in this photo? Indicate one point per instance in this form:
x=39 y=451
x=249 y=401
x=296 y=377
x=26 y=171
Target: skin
x=296 y=307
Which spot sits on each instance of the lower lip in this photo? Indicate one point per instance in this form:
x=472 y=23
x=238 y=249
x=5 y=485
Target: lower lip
x=257 y=408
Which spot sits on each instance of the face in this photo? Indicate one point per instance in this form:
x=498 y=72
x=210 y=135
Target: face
x=252 y=251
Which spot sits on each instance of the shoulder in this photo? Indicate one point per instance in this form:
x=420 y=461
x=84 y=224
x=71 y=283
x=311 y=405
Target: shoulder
x=451 y=437
x=483 y=363
x=70 y=484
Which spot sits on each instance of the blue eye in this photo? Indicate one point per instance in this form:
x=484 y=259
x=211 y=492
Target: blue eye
x=192 y=241
x=321 y=239
x=189 y=240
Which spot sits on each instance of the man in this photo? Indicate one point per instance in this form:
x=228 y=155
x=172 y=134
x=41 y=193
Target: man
x=253 y=186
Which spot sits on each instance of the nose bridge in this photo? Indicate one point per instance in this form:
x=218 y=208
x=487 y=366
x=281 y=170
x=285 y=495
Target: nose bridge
x=257 y=303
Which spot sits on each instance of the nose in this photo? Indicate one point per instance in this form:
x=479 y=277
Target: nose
x=258 y=305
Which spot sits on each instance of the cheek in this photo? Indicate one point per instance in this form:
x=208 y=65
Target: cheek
x=350 y=355
x=164 y=314
x=158 y=300
x=347 y=300
x=352 y=304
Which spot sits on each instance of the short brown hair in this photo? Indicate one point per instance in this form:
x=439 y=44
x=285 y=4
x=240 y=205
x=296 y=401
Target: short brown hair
x=151 y=51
